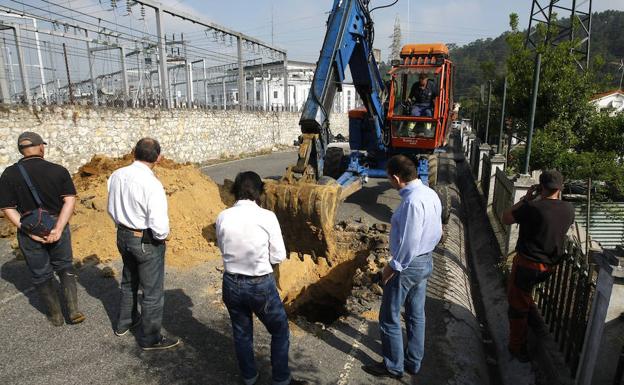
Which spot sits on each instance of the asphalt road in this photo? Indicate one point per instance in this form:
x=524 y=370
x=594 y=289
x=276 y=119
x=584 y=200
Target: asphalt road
x=34 y=352
x=372 y=204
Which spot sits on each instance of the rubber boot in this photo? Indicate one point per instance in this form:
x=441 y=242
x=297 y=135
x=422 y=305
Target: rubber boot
x=68 y=282
x=49 y=296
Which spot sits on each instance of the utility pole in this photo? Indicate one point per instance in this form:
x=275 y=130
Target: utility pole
x=502 y=121
x=487 y=121
x=536 y=79
x=395 y=47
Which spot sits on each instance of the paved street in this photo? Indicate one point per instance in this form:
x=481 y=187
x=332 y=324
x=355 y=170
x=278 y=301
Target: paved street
x=34 y=352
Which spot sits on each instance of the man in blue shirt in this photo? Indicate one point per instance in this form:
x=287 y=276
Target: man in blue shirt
x=415 y=232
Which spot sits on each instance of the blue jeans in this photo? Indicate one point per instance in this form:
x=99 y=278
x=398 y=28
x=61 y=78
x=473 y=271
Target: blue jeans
x=422 y=110
x=244 y=296
x=144 y=265
x=409 y=288
x=43 y=259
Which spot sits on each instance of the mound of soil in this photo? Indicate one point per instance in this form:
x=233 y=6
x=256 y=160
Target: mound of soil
x=194 y=203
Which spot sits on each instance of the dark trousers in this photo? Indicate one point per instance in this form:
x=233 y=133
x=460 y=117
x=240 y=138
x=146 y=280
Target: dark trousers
x=244 y=296
x=43 y=259
x=525 y=274
x=144 y=266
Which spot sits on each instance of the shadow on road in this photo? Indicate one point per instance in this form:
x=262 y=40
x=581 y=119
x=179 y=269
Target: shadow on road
x=368 y=200
x=105 y=289
x=16 y=272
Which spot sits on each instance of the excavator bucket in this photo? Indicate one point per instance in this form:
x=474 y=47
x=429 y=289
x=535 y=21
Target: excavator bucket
x=306 y=212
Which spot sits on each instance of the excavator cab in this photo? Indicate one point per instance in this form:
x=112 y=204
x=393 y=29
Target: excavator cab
x=415 y=95
x=417 y=123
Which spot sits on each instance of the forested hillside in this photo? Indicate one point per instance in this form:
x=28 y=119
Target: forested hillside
x=483 y=59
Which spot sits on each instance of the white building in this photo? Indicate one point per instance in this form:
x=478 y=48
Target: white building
x=613 y=100
x=264 y=88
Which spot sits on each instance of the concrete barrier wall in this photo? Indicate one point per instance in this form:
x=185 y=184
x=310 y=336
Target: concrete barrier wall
x=75 y=134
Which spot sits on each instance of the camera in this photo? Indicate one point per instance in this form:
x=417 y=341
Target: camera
x=537 y=190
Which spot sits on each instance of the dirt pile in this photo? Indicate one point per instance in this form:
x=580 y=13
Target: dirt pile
x=194 y=203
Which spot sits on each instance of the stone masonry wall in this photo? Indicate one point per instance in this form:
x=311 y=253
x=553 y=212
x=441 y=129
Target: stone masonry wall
x=75 y=134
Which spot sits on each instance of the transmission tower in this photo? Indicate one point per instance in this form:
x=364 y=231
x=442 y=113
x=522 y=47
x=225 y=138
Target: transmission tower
x=577 y=28
x=395 y=47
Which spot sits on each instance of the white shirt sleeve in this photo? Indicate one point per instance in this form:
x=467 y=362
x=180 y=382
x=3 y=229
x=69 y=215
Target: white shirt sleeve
x=277 y=249
x=157 y=216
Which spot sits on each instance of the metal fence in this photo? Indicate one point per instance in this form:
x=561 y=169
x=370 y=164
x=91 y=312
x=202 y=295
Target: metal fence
x=130 y=53
x=564 y=300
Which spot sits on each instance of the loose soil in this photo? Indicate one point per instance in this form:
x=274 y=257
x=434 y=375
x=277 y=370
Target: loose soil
x=194 y=203
x=331 y=269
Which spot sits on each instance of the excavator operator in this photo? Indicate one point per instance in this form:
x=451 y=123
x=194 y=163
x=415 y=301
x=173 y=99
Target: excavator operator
x=422 y=95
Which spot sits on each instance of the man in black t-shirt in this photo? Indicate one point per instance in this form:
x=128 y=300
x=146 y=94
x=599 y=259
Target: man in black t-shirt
x=544 y=220
x=422 y=95
x=44 y=255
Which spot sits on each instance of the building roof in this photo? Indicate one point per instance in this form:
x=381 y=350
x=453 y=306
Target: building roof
x=608 y=93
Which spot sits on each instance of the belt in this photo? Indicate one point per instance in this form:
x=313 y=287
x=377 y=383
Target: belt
x=243 y=277
x=135 y=232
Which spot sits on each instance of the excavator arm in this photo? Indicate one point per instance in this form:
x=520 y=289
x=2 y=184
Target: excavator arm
x=304 y=201
x=347 y=43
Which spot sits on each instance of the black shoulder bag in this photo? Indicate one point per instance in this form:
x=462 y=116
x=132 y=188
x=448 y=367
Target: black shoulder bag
x=38 y=221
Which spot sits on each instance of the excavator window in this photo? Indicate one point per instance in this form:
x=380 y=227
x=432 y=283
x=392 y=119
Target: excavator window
x=413 y=100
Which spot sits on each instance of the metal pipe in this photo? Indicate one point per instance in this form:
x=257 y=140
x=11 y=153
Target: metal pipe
x=241 y=73
x=22 y=64
x=536 y=80
x=91 y=72
x=502 y=121
x=44 y=90
x=588 y=218
x=224 y=94
x=286 y=93
x=124 y=76
x=205 y=84
x=5 y=95
x=162 y=50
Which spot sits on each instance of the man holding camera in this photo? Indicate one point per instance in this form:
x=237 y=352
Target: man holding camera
x=35 y=184
x=544 y=220
x=138 y=205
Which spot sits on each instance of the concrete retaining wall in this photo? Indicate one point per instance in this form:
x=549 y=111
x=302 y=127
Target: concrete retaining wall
x=75 y=134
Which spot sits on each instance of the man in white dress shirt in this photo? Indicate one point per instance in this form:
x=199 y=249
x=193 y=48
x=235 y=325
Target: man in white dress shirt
x=251 y=242
x=138 y=205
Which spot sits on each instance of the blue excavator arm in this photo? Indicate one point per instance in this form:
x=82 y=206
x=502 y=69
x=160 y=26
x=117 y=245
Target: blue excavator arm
x=347 y=43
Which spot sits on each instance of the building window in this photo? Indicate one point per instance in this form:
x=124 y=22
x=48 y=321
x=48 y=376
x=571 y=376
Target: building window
x=257 y=95
x=236 y=96
x=274 y=94
x=212 y=98
x=246 y=95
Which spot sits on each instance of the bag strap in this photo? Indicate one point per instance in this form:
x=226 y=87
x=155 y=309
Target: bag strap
x=30 y=185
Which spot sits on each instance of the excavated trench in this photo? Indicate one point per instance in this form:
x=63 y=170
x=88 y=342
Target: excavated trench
x=326 y=260
x=321 y=289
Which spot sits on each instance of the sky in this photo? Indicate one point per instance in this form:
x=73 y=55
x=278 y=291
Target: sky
x=299 y=25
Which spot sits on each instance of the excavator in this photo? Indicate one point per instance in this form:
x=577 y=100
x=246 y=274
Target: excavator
x=308 y=195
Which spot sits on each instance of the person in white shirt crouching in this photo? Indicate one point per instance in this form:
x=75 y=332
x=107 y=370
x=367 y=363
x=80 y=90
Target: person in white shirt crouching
x=251 y=242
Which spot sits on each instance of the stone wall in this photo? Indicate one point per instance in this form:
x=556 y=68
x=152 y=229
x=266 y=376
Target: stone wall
x=75 y=134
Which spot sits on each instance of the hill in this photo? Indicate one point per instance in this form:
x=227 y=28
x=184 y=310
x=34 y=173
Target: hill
x=485 y=59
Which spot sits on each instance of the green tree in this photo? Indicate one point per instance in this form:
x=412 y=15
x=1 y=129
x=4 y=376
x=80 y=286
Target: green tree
x=569 y=134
